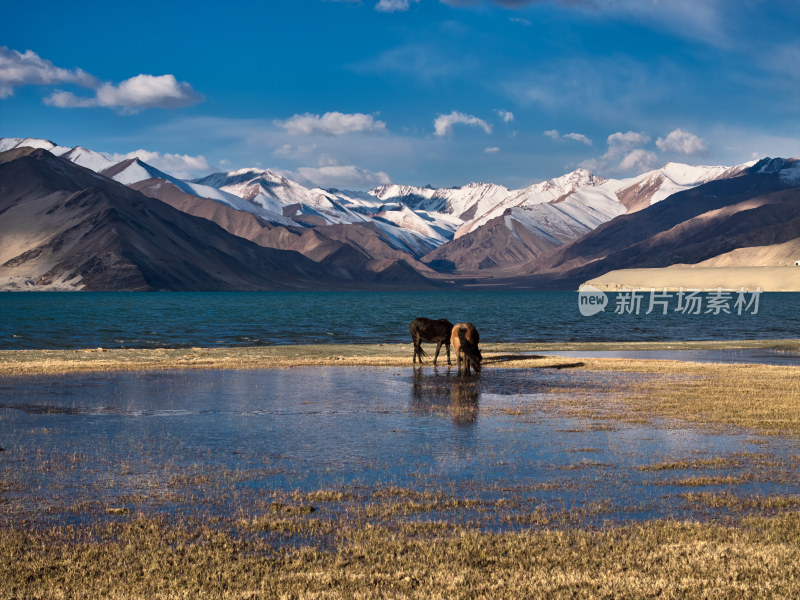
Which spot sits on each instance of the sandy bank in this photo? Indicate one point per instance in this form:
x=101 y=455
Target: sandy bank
x=768 y=279
x=43 y=362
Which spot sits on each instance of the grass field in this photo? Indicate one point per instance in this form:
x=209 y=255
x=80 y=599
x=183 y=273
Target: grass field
x=150 y=558
x=409 y=543
x=42 y=362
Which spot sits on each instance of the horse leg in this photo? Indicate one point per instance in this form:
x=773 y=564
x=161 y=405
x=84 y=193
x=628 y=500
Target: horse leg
x=435 y=356
x=417 y=351
x=447 y=346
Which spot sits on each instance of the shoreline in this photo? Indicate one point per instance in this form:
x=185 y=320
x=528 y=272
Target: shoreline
x=51 y=362
x=681 y=277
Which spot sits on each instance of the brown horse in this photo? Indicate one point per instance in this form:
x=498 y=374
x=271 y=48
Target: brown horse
x=428 y=330
x=465 y=340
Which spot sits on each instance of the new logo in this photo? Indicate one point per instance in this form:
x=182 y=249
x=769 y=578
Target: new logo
x=591 y=300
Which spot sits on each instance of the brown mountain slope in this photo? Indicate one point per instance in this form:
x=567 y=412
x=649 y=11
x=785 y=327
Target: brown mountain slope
x=631 y=229
x=352 y=251
x=491 y=245
x=782 y=254
x=759 y=207
x=62 y=224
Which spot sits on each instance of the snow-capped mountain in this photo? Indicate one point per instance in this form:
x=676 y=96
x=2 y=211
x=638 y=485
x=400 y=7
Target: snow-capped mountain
x=462 y=202
x=747 y=216
x=541 y=216
x=274 y=192
x=535 y=220
x=561 y=230
x=95 y=161
x=317 y=207
x=133 y=171
x=476 y=226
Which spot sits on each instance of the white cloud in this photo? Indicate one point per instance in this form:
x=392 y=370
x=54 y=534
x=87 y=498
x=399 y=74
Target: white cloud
x=394 y=5
x=624 y=153
x=443 y=124
x=492 y=150
x=577 y=137
x=619 y=142
x=28 y=68
x=506 y=115
x=681 y=141
x=638 y=160
x=627 y=151
x=339 y=176
x=132 y=95
x=182 y=166
x=331 y=123
x=521 y=21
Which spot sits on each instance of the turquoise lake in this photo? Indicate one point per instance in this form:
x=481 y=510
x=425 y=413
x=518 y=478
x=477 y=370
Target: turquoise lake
x=177 y=319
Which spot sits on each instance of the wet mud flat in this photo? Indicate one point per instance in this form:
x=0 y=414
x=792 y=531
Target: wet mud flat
x=348 y=480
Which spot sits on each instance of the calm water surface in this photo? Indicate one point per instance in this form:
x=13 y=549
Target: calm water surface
x=175 y=319
x=112 y=436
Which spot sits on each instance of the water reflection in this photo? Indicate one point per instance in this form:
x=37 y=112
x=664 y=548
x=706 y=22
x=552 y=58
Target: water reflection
x=447 y=393
x=249 y=434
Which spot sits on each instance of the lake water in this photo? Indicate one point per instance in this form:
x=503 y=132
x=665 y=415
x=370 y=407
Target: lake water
x=175 y=319
x=142 y=441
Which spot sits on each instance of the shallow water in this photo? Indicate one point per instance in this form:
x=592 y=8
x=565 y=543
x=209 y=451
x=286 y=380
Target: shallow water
x=230 y=436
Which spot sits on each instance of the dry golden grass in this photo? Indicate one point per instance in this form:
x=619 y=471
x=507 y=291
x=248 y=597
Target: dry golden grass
x=41 y=362
x=716 y=462
x=390 y=547
x=761 y=397
x=153 y=559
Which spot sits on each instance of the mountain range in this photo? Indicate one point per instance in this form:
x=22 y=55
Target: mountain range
x=74 y=218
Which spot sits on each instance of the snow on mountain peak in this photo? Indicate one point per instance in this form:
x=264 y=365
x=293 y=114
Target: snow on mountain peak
x=578 y=177
x=683 y=174
x=406 y=218
x=789 y=168
x=422 y=218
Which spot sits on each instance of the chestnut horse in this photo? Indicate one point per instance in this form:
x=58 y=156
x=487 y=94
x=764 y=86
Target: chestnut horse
x=428 y=330
x=465 y=340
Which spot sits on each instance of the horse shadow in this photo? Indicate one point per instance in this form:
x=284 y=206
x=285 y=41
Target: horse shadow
x=447 y=394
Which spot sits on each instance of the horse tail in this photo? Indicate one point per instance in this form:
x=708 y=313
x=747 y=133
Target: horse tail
x=421 y=351
x=471 y=350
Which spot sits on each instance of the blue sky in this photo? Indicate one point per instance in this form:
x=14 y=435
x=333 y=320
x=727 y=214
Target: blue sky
x=351 y=94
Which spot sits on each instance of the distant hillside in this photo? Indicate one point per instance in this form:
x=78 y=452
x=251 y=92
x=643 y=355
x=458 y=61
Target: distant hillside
x=65 y=227
x=258 y=229
x=757 y=209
